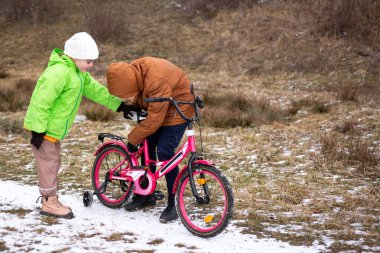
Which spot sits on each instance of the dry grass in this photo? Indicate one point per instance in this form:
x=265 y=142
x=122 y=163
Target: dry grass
x=3 y=246
x=96 y=112
x=20 y=212
x=115 y=237
x=11 y=126
x=292 y=116
x=3 y=74
x=156 y=241
x=291 y=181
x=16 y=98
x=226 y=109
x=48 y=220
x=352 y=151
x=353 y=18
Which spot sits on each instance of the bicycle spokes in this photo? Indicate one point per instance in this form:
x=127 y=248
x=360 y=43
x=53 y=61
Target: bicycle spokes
x=210 y=216
x=111 y=192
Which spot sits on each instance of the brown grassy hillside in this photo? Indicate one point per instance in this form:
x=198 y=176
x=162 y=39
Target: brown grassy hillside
x=292 y=97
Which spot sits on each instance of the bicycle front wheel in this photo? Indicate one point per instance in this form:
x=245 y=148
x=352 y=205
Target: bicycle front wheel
x=114 y=193
x=211 y=217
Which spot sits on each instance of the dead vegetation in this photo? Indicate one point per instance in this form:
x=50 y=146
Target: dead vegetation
x=291 y=91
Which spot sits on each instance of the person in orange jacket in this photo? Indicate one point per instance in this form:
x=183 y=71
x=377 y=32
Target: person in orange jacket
x=150 y=77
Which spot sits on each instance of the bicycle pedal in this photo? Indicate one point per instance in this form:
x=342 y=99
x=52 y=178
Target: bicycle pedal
x=158 y=195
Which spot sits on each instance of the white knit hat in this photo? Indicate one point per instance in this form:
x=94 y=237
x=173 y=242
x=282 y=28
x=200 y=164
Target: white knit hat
x=81 y=46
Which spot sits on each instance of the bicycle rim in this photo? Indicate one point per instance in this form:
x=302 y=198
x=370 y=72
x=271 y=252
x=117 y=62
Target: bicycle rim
x=117 y=191
x=205 y=220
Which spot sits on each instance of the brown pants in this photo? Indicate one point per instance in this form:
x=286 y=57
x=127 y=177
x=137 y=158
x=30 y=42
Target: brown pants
x=48 y=162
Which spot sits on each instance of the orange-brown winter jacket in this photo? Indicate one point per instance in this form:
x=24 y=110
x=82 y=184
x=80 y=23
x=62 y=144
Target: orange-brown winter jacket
x=150 y=77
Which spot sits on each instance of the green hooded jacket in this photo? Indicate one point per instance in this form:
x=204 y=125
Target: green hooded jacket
x=58 y=93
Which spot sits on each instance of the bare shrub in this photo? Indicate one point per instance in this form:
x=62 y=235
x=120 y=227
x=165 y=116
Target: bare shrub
x=9 y=100
x=321 y=107
x=311 y=104
x=16 y=98
x=108 y=22
x=232 y=110
x=349 y=18
x=37 y=11
x=224 y=118
x=361 y=154
x=3 y=74
x=348 y=92
x=11 y=126
x=96 y=112
x=354 y=151
x=346 y=127
x=25 y=86
x=210 y=8
x=331 y=148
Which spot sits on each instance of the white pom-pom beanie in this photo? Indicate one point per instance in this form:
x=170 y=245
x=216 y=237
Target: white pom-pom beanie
x=81 y=46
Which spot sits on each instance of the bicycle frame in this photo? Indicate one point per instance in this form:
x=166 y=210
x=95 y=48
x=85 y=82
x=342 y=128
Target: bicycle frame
x=138 y=172
x=163 y=167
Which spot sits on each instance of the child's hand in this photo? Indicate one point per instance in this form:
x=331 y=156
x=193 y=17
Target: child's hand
x=37 y=139
x=132 y=148
x=127 y=108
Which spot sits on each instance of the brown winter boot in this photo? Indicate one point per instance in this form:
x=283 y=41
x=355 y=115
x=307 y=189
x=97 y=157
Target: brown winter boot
x=60 y=203
x=52 y=207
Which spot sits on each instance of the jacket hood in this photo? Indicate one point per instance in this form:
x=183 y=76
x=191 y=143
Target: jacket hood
x=121 y=80
x=58 y=57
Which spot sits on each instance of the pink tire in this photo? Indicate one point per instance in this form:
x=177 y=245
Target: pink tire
x=117 y=191
x=212 y=217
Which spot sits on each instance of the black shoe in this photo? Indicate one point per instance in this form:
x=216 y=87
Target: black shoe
x=169 y=214
x=140 y=202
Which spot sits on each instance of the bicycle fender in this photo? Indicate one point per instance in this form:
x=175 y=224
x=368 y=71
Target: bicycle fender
x=176 y=182
x=111 y=142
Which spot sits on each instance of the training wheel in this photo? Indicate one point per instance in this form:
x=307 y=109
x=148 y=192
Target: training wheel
x=87 y=198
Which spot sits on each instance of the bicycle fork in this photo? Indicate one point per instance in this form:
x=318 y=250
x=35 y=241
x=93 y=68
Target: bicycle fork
x=200 y=200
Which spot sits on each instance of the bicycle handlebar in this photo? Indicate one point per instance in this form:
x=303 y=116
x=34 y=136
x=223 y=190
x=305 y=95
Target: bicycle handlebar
x=197 y=104
x=152 y=100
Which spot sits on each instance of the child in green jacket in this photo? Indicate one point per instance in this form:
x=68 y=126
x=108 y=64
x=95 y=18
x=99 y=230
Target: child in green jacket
x=52 y=109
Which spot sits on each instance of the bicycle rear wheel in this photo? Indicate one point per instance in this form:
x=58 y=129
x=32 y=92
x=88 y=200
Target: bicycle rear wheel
x=116 y=192
x=210 y=218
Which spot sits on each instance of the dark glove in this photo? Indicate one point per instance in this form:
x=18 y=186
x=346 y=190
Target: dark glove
x=132 y=148
x=37 y=139
x=126 y=109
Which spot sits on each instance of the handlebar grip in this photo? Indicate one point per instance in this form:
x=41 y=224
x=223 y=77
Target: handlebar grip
x=152 y=100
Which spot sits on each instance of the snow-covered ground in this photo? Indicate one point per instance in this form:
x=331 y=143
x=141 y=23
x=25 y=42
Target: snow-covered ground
x=101 y=229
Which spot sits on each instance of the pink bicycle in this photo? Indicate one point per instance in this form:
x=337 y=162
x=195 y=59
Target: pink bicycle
x=203 y=195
